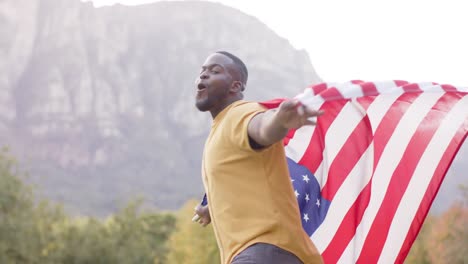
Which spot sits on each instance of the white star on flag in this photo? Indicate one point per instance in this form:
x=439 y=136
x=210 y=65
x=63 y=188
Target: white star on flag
x=306 y=217
x=296 y=193
x=307 y=197
x=318 y=203
x=305 y=178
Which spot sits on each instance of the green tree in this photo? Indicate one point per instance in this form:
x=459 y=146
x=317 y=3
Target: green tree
x=22 y=223
x=38 y=232
x=448 y=239
x=418 y=253
x=444 y=238
x=191 y=243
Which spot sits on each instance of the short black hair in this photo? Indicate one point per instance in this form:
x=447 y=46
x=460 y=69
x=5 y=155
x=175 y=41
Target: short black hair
x=240 y=64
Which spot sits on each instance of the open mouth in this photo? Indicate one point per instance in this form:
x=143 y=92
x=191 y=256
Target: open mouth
x=201 y=87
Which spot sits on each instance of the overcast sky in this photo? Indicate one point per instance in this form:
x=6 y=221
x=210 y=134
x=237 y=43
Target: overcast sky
x=369 y=39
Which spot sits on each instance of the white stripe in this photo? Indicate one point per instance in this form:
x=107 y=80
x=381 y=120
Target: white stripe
x=379 y=107
x=383 y=87
x=320 y=176
x=308 y=99
x=389 y=160
x=299 y=142
x=432 y=88
x=462 y=89
x=426 y=85
x=350 y=90
x=420 y=180
x=338 y=132
x=376 y=111
x=344 y=199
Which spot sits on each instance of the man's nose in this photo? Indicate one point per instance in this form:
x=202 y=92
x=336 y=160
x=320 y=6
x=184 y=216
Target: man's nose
x=203 y=75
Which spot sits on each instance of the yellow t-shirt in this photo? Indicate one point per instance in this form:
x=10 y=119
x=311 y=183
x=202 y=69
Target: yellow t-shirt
x=249 y=192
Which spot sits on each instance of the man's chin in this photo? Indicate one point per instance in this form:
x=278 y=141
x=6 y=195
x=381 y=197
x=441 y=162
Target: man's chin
x=202 y=107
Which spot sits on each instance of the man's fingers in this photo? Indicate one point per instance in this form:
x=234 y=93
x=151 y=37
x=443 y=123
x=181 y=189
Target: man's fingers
x=195 y=218
x=310 y=123
x=311 y=112
x=289 y=105
x=197 y=215
x=300 y=110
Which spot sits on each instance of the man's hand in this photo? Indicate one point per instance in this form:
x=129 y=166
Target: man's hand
x=202 y=215
x=291 y=114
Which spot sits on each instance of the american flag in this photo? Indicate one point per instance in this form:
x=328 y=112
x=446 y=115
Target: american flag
x=366 y=175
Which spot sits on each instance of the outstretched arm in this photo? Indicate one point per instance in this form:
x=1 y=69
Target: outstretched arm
x=272 y=126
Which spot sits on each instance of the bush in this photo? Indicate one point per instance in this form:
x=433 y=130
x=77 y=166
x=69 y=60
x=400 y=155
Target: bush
x=42 y=233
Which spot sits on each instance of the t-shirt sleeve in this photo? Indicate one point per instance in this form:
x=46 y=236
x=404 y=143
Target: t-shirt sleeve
x=236 y=123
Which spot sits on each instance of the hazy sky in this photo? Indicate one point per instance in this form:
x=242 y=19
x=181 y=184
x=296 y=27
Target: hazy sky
x=369 y=39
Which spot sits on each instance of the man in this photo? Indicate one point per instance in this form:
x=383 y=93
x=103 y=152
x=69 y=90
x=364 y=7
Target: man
x=252 y=205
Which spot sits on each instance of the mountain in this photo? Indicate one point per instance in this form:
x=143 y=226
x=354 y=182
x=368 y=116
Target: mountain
x=98 y=103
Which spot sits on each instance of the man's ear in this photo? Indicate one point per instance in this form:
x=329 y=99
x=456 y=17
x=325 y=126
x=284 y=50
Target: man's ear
x=237 y=87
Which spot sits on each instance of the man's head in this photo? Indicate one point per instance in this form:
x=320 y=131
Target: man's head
x=222 y=80
x=241 y=68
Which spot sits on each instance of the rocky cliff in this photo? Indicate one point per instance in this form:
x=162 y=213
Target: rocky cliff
x=98 y=103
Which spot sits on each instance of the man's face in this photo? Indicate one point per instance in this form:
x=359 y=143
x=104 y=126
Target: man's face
x=214 y=82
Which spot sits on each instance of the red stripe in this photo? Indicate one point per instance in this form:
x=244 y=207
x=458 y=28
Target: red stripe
x=347 y=228
x=389 y=123
x=331 y=93
x=411 y=87
x=365 y=102
x=369 y=89
x=400 y=82
x=378 y=232
x=274 y=103
x=432 y=190
x=288 y=137
x=313 y=154
x=316 y=89
x=449 y=88
x=354 y=147
x=346 y=232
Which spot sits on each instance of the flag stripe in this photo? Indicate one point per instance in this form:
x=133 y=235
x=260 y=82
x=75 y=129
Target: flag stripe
x=383 y=106
x=352 y=186
x=398 y=183
x=380 y=105
x=391 y=137
x=344 y=234
x=419 y=182
x=346 y=158
x=449 y=88
x=369 y=89
x=372 y=154
x=316 y=89
x=312 y=154
x=431 y=192
x=332 y=93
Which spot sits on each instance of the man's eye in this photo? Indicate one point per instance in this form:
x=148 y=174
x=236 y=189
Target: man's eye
x=214 y=71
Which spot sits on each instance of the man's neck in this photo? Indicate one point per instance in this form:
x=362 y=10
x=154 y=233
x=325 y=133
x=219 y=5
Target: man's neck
x=215 y=112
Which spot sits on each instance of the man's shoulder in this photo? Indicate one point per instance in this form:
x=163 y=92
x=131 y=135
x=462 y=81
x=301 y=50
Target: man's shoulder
x=246 y=106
